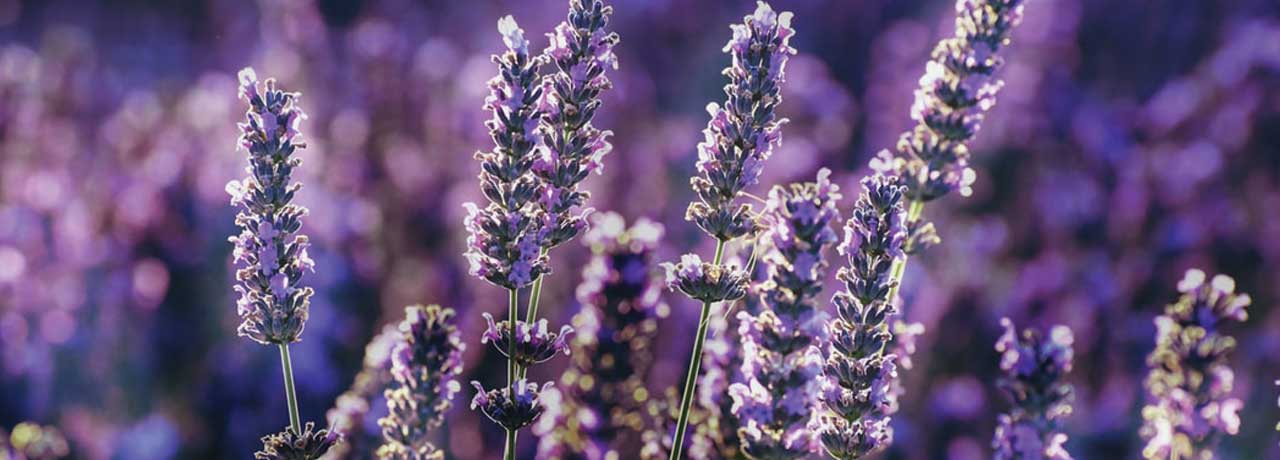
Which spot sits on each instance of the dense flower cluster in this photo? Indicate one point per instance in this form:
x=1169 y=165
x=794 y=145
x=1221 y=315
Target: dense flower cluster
x=423 y=362
x=861 y=370
x=956 y=91
x=780 y=344
x=595 y=412
x=744 y=132
x=533 y=342
x=273 y=304
x=704 y=281
x=505 y=242
x=1190 y=408
x=512 y=413
x=582 y=49
x=289 y=445
x=1035 y=368
x=347 y=417
x=31 y=441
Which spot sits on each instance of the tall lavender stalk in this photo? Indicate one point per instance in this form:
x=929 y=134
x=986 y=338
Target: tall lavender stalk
x=581 y=49
x=1035 y=368
x=739 y=138
x=505 y=246
x=596 y=414
x=782 y=361
x=426 y=357
x=861 y=367
x=1190 y=408
x=272 y=256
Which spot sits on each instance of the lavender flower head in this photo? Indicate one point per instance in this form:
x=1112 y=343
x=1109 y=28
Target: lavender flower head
x=272 y=256
x=781 y=362
x=505 y=242
x=956 y=91
x=744 y=132
x=1034 y=373
x=861 y=371
x=572 y=149
x=288 y=445
x=1190 y=408
x=512 y=413
x=424 y=361
x=704 y=281
x=595 y=412
x=351 y=407
x=534 y=343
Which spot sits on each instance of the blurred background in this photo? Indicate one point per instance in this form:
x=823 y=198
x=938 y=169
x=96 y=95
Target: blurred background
x=1134 y=140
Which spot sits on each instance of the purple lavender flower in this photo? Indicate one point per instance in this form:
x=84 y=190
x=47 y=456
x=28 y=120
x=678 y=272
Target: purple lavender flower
x=31 y=441
x=705 y=282
x=273 y=304
x=958 y=87
x=289 y=445
x=861 y=371
x=597 y=414
x=511 y=413
x=505 y=244
x=1034 y=370
x=572 y=149
x=423 y=362
x=744 y=132
x=780 y=360
x=351 y=407
x=534 y=344
x=1190 y=408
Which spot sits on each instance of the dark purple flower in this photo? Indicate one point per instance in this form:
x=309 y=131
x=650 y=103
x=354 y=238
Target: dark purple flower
x=273 y=304
x=424 y=360
x=582 y=50
x=704 y=281
x=288 y=445
x=742 y=133
x=505 y=237
x=1189 y=408
x=534 y=344
x=1035 y=368
x=511 y=413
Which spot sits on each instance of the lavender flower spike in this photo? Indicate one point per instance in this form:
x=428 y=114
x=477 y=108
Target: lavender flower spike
x=1190 y=408
x=272 y=256
x=744 y=132
x=582 y=50
x=289 y=445
x=504 y=246
x=781 y=358
x=861 y=371
x=1034 y=370
x=423 y=364
x=958 y=88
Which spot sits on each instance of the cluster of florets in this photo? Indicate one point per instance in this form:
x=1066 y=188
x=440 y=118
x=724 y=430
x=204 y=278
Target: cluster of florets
x=510 y=412
x=582 y=49
x=745 y=131
x=1190 y=408
x=273 y=304
x=595 y=412
x=311 y=444
x=1035 y=369
x=424 y=360
x=506 y=236
x=780 y=344
x=958 y=88
x=861 y=369
x=704 y=281
x=533 y=342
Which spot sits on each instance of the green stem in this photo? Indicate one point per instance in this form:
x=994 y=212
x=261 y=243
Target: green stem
x=695 y=364
x=512 y=299
x=914 y=211
x=531 y=313
x=510 y=453
x=295 y=422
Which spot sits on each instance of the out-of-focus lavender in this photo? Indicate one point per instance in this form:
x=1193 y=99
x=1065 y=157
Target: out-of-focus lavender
x=349 y=416
x=31 y=441
x=1035 y=370
x=1190 y=407
x=424 y=361
x=1129 y=144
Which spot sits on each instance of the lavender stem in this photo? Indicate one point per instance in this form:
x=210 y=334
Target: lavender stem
x=513 y=298
x=691 y=379
x=291 y=395
x=914 y=211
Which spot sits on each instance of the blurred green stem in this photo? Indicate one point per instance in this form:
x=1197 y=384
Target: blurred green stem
x=291 y=395
x=691 y=379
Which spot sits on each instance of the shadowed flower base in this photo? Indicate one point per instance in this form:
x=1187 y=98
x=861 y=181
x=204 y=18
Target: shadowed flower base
x=704 y=281
x=288 y=445
x=534 y=344
x=512 y=414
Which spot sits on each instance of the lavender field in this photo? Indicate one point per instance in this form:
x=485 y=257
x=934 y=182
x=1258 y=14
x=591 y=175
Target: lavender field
x=639 y=229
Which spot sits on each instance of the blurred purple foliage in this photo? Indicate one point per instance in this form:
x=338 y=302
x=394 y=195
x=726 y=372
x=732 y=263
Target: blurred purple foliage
x=1130 y=143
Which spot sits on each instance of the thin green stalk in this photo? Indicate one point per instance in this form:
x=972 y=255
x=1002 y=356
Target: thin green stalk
x=531 y=313
x=512 y=299
x=914 y=211
x=295 y=422
x=695 y=364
